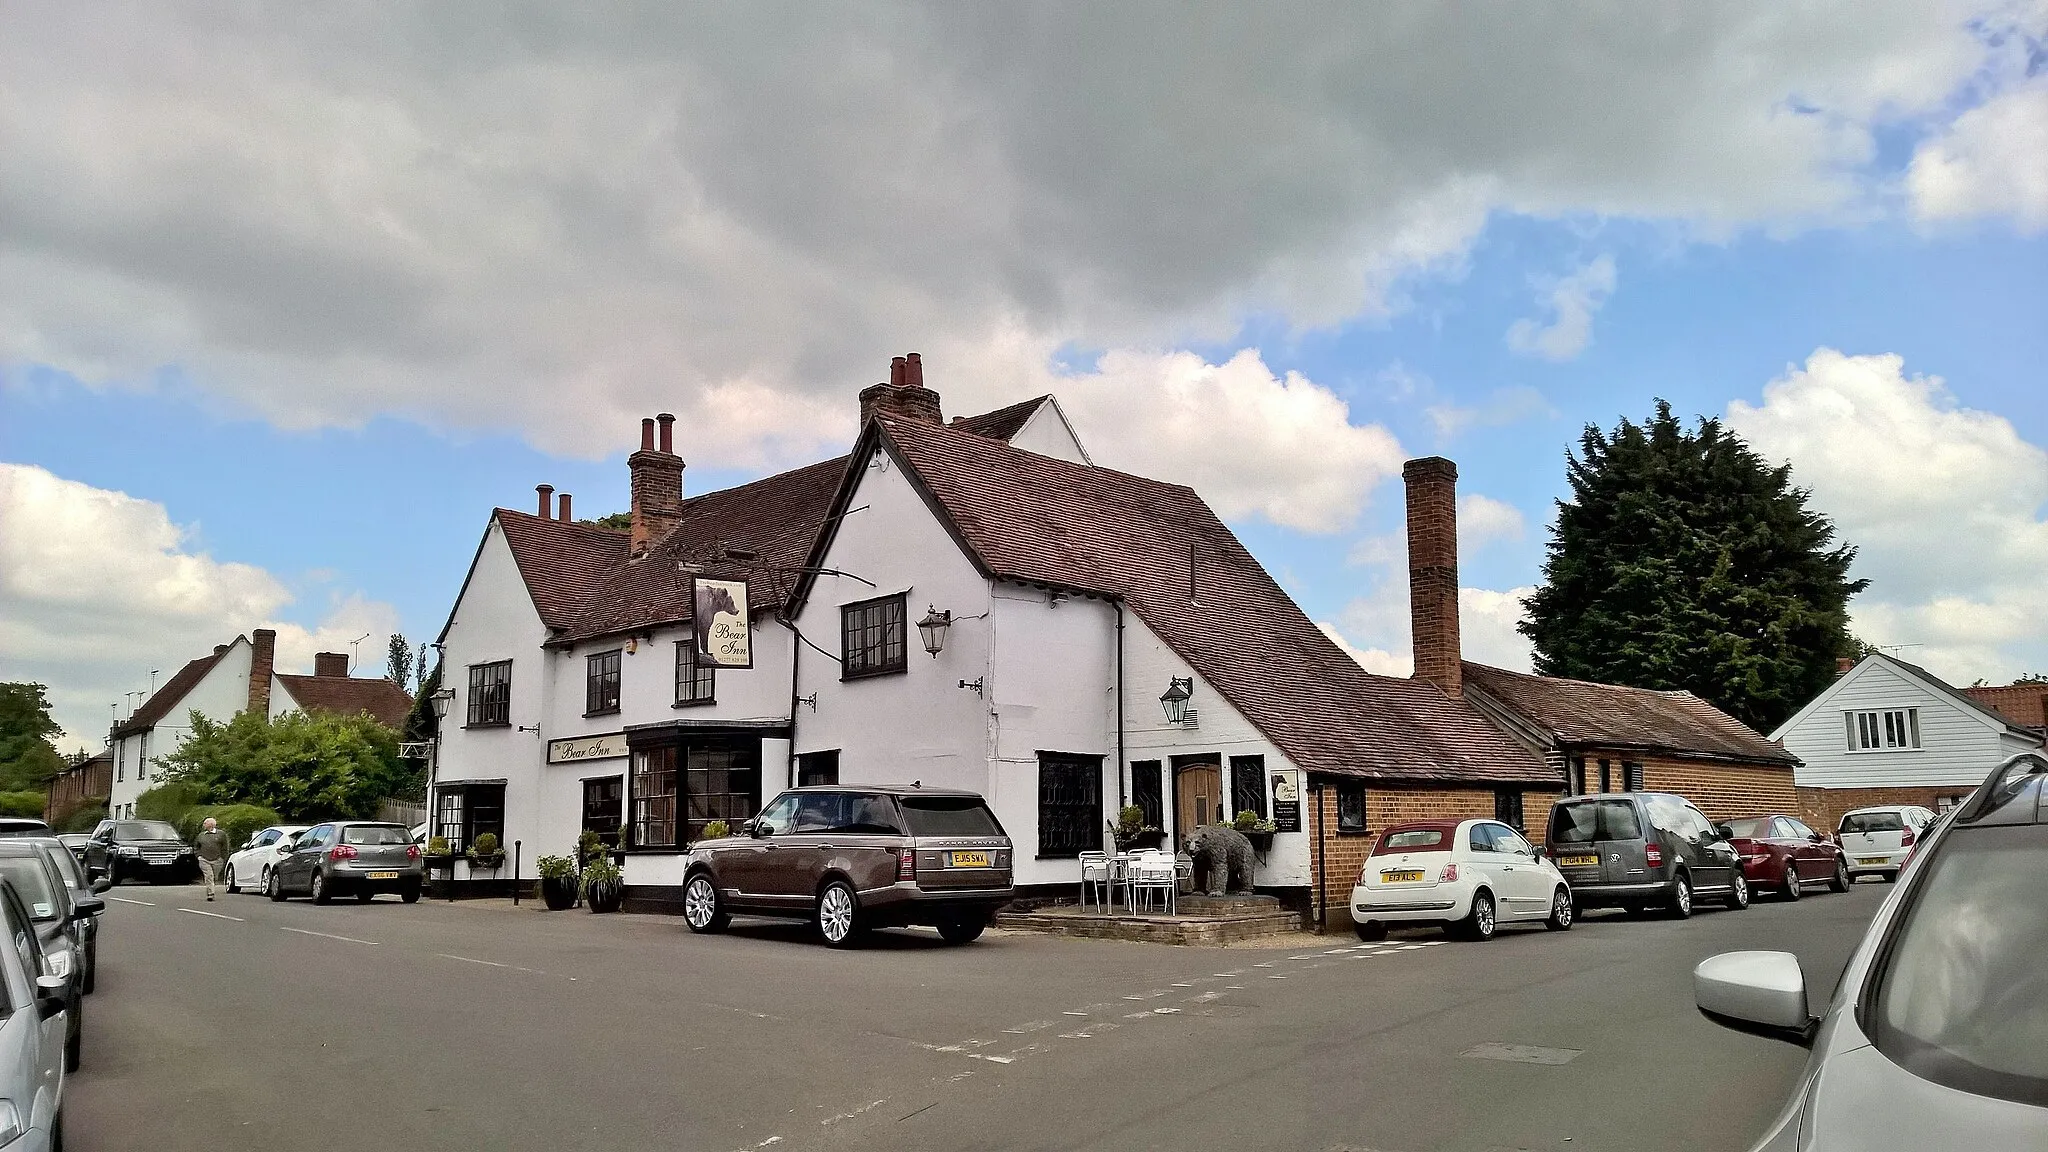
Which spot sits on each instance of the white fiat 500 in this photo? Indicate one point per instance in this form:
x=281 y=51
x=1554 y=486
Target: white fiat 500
x=250 y=867
x=1468 y=875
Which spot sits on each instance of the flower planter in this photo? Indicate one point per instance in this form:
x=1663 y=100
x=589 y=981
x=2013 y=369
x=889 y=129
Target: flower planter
x=489 y=863
x=603 y=895
x=558 y=892
x=1262 y=842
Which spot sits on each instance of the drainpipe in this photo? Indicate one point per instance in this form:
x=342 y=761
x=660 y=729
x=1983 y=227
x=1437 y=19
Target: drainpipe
x=1122 y=797
x=1322 y=863
x=796 y=655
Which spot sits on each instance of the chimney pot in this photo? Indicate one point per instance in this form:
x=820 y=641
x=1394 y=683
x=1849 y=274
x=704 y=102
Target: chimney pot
x=564 y=517
x=657 y=479
x=330 y=664
x=899 y=371
x=1844 y=665
x=547 y=499
x=905 y=397
x=219 y=648
x=1433 y=571
x=647 y=434
x=913 y=371
x=668 y=435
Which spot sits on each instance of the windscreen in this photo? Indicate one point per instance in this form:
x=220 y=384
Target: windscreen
x=145 y=830
x=1411 y=840
x=948 y=816
x=1873 y=822
x=1594 y=820
x=1754 y=828
x=375 y=834
x=32 y=881
x=1963 y=1000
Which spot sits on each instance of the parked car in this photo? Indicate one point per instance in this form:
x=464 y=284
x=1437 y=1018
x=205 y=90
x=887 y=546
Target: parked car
x=1782 y=854
x=87 y=908
x=34 y=1020
x=1878 y=840
x=852 y=859
x=55 y=921
x=148 y=850
x=1935 y=1035
x=259 y=855
x=1635 y=850
x=349 y=857
x=1468 y=876
x=23 y=826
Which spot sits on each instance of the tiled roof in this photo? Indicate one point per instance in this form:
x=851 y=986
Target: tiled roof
x=1036 y=519
x=1578 y=712
x=775 y=519
x=347 y=695
x=2025 y=704
x=1002 y=423
x=562 y=562
x=164 y=699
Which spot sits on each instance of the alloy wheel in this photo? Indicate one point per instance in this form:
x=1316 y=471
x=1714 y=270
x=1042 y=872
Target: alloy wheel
x=1841 y=881
x=231 y=880
x=1792 y=891
x=1681 y=899
x=318 y=889
x=1738 y=893
x=1561 y=914
x=1482 y=917
x=836 y=914
x=700 y=904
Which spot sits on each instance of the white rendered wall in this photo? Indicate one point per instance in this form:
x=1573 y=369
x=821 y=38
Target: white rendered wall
x=1048 y=434
x=1958 y=747
x=219 y=695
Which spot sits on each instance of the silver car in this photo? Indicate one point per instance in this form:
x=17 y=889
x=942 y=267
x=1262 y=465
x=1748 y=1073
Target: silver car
x=1938 y=1033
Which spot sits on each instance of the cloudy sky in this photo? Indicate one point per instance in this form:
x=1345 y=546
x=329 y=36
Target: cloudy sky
x=294 y=295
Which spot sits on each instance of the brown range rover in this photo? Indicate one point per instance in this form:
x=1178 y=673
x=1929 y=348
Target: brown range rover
x=857 y=857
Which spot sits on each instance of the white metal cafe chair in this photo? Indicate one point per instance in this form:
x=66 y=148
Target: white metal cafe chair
x=1098 y=875
x=1152 y=874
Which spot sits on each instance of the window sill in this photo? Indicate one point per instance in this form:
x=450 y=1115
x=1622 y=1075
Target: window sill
x=611 y=711
x=872 y=673
x=491 y=724
x=1354 y=831
x=704 y=703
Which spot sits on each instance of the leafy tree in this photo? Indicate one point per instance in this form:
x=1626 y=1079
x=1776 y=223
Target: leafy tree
x=310 y=767
x=27 y=758
x=397 y=660
x=1683 y=560
x=419 y=668
x=420 y=724
x=616 y=522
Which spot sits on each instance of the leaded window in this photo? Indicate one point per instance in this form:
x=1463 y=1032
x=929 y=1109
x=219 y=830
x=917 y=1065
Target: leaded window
x=1248 y=785
x=1350 y=805
x=1148 y=792
x=490 y=694
x=601 y=683
x=872 y=637
x=1069 y=804
x=696 y=683
x=654 y=797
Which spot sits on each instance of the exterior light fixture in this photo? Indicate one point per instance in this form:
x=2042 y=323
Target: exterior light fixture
x=441 y=701
x=810 y=701
x=1175 y=701
x=933 y=630
x=977 y=684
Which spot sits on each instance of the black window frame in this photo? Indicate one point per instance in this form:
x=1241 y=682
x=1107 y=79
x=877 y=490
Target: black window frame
x=817 y=769
x=480 y=808
x=668 y=791
x=1351 y=797
x=1150 y=799
x=1069 y=805
x=605 y=824
x=655 y=808
x=489 y=704
x=602 y=673
x=1248 y=785
x=696 y=683
x=1631 y=776
x=1507 y=808
x=866 y=641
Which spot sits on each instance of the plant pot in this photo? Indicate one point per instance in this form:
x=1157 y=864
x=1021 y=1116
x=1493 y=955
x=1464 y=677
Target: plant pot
x=1262 y=842
x=603 y=895
x=558 y=892
x=489 y=863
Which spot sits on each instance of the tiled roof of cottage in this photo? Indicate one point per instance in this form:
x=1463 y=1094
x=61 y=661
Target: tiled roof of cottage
x=386 y=702
x=562 y=562
x=161 y=701
x=2025 y=703
x=1002 y=423
x=1579 y=712
x=1036 y=519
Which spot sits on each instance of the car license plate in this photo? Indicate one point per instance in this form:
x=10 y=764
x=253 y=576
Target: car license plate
x=383 y=875
x=1871 y=860
x=970 y=860
x=1579 y=861
x=1408 y=877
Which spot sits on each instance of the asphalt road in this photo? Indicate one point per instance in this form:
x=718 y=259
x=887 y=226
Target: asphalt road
x=480 y=1026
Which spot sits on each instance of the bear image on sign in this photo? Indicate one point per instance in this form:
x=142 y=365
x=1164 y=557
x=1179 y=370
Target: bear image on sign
x=720 y=608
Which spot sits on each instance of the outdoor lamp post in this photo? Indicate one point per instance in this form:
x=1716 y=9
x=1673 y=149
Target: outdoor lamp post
x=1175 y=701
x=932 y=629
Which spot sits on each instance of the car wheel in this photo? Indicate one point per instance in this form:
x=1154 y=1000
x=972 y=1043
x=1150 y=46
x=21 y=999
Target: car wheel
x=92 y=970
x=1892 y=877
x=74 y=1037
x=1370 y=931
x=1738 y=893
x=318 y=889
x=232 y=887
x=410 y=894
x=963 y=929
x=271 y=887
x=365 y=896
x=1561 y=911
x=1681 y=897
x=701 y=909
x=1839 y=882
x=1479 y=923
x=839 y=915
x=1790 y=887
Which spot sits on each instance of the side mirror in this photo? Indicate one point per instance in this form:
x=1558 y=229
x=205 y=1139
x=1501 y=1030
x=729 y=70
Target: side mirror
x=1539 y=850
x=1760 y=992
x=86 y=907
x=1724 y=832
x=53 y=995
x=758 y=830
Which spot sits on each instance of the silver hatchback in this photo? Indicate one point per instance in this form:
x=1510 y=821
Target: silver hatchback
x=357 y=858
x=1938 y=1033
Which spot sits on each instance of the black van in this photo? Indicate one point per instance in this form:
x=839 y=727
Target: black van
x=1638 y=850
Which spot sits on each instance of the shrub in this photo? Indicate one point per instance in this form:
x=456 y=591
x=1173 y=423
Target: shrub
x=556 y=867
x=589 y=845
x=437 y=846
x=319 y=767
x=237 y=822
x=486 y=845
x=1249 y=821
x=601 y=871
x=22 y=803
x=169 y=802
x=717 y=830
x=86 y=816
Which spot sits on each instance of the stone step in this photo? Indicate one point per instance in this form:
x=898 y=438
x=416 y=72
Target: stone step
x=1237 y=904
x=1181 y=929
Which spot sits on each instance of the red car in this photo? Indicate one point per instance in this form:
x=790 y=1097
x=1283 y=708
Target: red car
x=1782 y=854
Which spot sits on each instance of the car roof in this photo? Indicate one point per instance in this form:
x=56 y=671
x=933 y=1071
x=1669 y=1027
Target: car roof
x=1447 y=827
x=1884 y=808
x=888 y=789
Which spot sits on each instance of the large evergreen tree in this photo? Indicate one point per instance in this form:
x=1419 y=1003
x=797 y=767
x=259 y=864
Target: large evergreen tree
x=1684 y=560
x=27 y=758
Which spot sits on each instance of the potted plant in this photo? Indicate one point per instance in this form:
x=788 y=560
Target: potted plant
x=1130 y=830
x=485 y=853
x=603 y=884
x=557 y=882
x=716 y=830
x=1255 y=829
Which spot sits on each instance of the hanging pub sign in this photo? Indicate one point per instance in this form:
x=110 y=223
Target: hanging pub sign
x=720 y=619
x=1287 y=800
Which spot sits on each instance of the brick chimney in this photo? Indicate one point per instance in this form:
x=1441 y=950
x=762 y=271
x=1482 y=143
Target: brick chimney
x=657 y=484
x=904 y=396
x=262 y=661
x=330 y=664
x=1433 y=571
x=564 y=517
x=547 y=500
x=1844 y=665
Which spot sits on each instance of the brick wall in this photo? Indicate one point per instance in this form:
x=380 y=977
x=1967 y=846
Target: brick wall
x=69 y=789
x=1722 y=791
x=1822 y=808
x=1384 y=805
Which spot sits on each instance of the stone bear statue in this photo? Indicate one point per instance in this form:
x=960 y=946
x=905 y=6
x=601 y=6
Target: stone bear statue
x=1227 y=856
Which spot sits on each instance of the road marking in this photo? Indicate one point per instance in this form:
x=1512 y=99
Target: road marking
x=215 y=915
x=855 y=1112
x=1071 y=1012
x=474 y=960
x=324 y=935
x=1521 y=1053
x=1182 y=984
x=1225 y=975
x=125 y=900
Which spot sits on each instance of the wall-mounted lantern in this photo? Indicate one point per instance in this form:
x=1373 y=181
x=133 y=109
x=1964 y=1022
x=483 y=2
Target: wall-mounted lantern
x=1179 y=690
x=441 y=701
x=933 y=630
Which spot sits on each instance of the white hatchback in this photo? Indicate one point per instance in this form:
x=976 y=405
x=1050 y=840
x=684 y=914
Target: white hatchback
x=250 y=867
x=1468 y=875
x=1878 y=840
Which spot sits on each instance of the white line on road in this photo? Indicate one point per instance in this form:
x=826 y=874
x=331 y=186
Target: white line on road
x=324 y=935
x=215 y=915
x=125 y=900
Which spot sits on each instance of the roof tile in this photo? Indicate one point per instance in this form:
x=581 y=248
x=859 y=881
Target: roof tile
x=1584 y=713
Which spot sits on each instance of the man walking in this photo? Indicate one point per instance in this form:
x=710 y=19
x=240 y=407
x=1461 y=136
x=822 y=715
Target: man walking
x=213 y=854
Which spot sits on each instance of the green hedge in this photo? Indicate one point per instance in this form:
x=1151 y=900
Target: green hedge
x=86 y=816
x=22 y=804
x=239 y=821
x=168 y=802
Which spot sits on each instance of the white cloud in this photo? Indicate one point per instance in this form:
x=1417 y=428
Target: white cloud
x=1992 y=160
x=512 y=219
x=1572 y=301
x=1483 y=520
x=1377 y=660
x=1375 y=627
x=97 y=588
x=1944 y=502
x=1503 y=406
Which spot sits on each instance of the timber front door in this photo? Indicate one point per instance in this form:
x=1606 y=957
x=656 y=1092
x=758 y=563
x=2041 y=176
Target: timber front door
x=1198 y=797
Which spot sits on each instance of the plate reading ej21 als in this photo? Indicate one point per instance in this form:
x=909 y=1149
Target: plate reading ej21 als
x=1398 y=877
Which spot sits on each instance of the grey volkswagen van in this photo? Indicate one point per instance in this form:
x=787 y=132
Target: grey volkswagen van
x=1639 y=850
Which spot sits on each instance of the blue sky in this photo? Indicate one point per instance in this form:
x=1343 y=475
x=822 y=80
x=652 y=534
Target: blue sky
x=313 y=345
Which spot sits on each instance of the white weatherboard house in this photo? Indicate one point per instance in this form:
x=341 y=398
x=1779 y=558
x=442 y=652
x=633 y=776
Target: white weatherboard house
x=1067 y=606
x=1889 y=732
x=235 y=677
